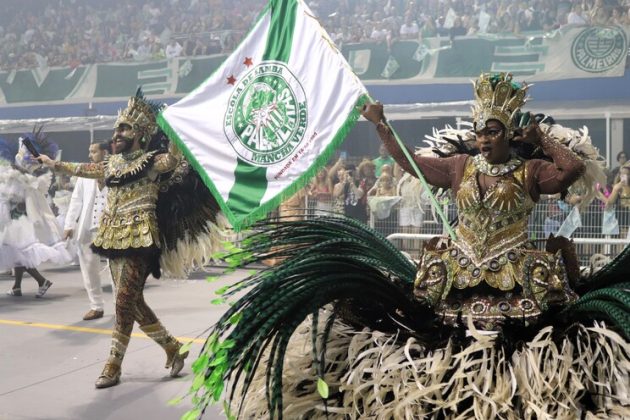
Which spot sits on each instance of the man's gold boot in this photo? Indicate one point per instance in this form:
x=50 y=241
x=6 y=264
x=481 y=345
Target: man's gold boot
x=159 y=334
x=110 y=375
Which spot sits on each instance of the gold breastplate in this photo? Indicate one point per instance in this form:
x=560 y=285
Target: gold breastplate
x=491 y=224
x=129 y=221
x=491 y=250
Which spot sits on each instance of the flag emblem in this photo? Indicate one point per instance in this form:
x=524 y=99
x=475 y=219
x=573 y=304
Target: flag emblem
x=266 y=118
x=265 y=122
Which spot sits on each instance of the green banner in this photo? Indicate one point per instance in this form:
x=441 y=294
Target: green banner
x=571 y=52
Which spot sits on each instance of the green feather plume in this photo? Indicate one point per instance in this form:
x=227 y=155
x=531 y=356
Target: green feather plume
x=326 y=260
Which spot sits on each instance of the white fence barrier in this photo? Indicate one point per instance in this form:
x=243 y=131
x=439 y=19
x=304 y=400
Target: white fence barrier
x=408 y=228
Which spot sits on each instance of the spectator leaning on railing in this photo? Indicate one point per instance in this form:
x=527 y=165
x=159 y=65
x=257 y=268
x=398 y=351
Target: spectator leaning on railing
x=620 y=198
x=320 y=190
x=613 y=176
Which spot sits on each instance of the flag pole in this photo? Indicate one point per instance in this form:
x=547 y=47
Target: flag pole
x=423 y=181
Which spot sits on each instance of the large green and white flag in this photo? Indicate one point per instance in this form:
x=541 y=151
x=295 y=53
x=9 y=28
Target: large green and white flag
x=270 y=116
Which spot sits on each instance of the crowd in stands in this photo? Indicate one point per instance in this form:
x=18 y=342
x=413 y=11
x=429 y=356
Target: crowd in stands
x=76 y=32
x=70 y=33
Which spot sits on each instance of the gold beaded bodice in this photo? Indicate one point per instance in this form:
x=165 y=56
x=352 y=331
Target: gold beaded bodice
x=497 y=221
x=493 y=250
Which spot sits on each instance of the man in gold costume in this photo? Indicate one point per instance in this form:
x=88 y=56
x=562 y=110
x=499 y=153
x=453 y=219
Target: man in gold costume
x=130 y=234
x=492 y=270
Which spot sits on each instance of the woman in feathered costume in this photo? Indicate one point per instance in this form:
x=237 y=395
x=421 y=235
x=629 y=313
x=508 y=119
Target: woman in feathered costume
x=29 y=234
x=485 y=325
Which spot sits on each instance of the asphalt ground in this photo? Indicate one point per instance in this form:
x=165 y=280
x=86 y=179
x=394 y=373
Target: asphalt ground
x=50 y=357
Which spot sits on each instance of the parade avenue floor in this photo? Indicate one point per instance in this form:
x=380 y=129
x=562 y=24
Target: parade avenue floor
x=50 y=357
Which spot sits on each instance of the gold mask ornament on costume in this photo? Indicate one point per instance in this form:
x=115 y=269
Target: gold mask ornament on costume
x=497 y=97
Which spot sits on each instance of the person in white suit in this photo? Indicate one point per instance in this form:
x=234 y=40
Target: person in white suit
x=84 y=213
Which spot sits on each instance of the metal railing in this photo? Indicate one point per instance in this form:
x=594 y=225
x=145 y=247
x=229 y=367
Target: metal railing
x=547 y=217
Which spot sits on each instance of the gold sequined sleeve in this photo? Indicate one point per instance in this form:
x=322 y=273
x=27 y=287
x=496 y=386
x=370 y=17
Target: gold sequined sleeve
x=83 y=170
x=437 y=171
x=557 y=176
x=166 y=162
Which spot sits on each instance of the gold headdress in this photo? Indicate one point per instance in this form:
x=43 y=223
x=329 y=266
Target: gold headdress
x=497 y=98
x=140 y=116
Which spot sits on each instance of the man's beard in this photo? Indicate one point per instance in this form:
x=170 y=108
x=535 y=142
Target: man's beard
x=122 y=147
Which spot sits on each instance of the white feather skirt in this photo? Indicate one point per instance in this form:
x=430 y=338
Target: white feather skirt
x=372 y=375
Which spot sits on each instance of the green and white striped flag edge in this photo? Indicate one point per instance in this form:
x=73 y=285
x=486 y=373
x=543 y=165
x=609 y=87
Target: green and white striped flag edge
x=331 y=101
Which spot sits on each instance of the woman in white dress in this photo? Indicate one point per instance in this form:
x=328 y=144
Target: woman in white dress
x=29 y=234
